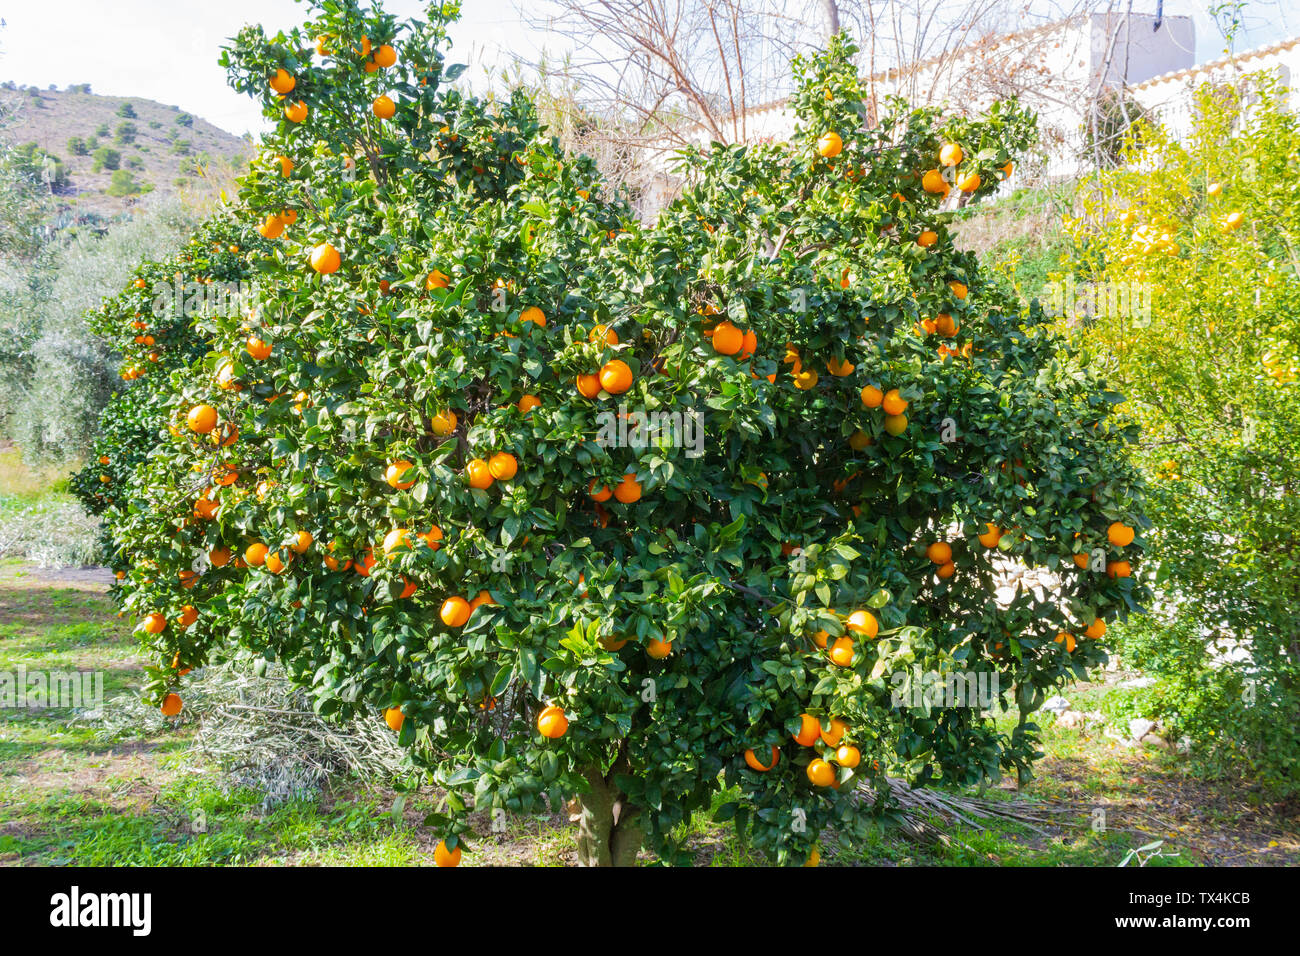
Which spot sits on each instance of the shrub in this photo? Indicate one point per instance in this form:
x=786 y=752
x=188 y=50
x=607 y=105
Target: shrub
x=126 y=110
x=675 y=620
x=123 y=184
x=106 y=158
x=77 y=146
x=1205 y=226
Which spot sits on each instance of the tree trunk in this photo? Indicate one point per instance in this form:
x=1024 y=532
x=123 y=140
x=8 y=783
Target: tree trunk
x=832 y=10
x=609 y=830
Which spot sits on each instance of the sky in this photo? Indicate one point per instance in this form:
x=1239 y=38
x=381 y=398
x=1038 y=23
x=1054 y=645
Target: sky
x=166 y=50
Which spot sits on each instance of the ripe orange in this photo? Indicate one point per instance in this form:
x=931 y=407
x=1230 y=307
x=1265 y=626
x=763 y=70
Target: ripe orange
x=483 y=597
x=841 y=652
x=275 y=563
x=611 y=642
x=933 y=182
x=969 y=183
x=479 y=475
x=604 y=494
x=395 y=472
x=1119 y=569
x=155 y=623
x=385 y=56
x=755 y=764
x=821 y=773
x=436 y=280
x=455 y=611
x=939 y=552
x=552 y=723
x=810 y=730
x=839 y=367
x=615 y=377
x=950 y=154
x=1081 y=560
x=944 y=325
x=202 y=419
x=658 y=649
x=433 y=537
x=927 y=238
x=727 y=339
x=325 y=259
x=271 y=227
x=286 y=165
x=892 y=403
x=444 y=857
x=282 y=82
x=992 y=536
x=383 y=107
x=1096 y=629
x=258 y=348
x=1120 y=535
x=863 y=622
x=444 y=423
x=872 y=397
x=946 y=570
x=219 y=557
x=848 y=756
x=394 y=718
x=1067 y=640
x=958 y=288
x=503 y=466
x=831 y=737
x=255 y=554
x=588 y=386
x=534 y=315
x=528 y=403
x=628 y=490
x=302 y=541
x=296 y=112
x=171 y=705
x=602 y=331
x=397 y=538
x=748 y=344
x=830 y=145
x=365 y=563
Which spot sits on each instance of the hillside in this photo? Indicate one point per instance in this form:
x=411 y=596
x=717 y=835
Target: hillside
x=151 y=148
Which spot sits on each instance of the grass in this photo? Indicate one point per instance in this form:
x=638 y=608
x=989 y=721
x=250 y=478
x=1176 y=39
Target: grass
x=67 y=797
x=39 y=519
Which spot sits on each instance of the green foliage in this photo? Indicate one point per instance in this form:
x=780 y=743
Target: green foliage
x=127 y=111
x=123 y=184
x=816 y=258
x=1206 y=225
x=77 y=146
x=125 y=134
x=106 y=158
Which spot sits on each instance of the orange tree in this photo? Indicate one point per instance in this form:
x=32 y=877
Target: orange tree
x=149 y=324
x=1196 y=234
x=640 y=515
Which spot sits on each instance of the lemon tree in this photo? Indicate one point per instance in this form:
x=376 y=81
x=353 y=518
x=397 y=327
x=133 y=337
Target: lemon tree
x=667 y=518
x=1199 y=231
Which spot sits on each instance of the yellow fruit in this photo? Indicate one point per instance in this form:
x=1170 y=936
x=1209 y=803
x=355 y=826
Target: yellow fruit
x=552 y=722
x=863 y=622
x=383 y=107
x=444 y=857
x=444 y=423
x=895 y=424
x=950 y=154
x=810 y=729
x=830 y=145
x=821 y=773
